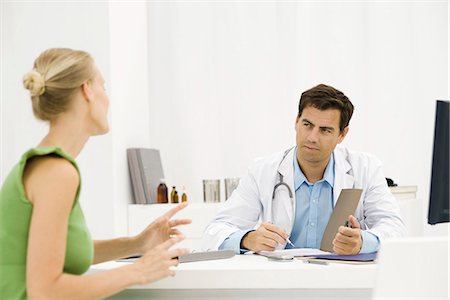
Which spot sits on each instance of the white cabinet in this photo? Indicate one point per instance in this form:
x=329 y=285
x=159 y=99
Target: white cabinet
x=139 y=216
x=410 y=209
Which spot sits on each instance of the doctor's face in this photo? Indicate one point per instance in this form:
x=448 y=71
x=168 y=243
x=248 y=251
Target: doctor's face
x=318 y=134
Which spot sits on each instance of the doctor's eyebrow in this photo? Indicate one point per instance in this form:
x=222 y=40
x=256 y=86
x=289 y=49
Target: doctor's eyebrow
x=323 y=128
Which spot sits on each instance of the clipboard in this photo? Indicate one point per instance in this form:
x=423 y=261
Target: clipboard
x=206 y=255
x=345 y=205
x=193 y=256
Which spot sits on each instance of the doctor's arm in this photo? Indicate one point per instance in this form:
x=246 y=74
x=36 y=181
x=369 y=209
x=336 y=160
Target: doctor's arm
x=381 y=215
x=381 y=210
x=237 y=216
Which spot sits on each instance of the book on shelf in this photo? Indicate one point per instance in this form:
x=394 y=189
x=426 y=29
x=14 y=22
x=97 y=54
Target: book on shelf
x=146 y=170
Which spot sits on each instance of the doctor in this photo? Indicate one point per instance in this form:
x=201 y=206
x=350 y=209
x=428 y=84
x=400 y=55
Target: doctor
x=293 y=193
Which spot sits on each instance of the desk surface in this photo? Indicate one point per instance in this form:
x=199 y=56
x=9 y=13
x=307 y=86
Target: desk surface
x=257 y=272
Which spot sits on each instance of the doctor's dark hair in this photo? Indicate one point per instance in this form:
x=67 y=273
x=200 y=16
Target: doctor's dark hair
x=325 y=97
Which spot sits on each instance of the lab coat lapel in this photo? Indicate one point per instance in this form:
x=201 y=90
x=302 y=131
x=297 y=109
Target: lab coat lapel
x=343 y=178
x=286 y=169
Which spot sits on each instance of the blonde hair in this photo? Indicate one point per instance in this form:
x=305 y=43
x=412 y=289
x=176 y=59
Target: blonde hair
x=57 y=73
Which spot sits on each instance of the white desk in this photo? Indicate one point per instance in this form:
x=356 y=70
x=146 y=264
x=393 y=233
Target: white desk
x=255 y=277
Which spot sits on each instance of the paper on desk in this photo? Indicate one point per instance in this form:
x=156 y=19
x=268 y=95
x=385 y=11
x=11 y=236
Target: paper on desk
x=293 y=252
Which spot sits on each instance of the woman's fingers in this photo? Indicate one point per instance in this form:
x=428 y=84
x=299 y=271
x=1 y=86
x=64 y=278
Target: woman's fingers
x=175 y=253
x=176 y=222
x=172 y=241
x=175 y=232
x=174 y=210
x=157 y=263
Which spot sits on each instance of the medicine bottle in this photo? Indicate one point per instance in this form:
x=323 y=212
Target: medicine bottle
x=172 y=195
x=175 y=197
x=184 y=196
x=162 y=192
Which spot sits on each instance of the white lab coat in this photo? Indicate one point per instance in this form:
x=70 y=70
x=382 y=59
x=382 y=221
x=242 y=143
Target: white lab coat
x=251 y=202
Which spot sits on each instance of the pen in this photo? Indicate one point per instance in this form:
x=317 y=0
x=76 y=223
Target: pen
x=289 y=241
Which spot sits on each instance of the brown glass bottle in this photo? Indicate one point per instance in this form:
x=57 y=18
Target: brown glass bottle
x=184 y=196
x=162 y=192
x=175 y=197
x=172 y=195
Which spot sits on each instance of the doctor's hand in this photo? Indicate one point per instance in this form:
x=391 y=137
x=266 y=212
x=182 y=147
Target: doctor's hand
x=265 y=238
x=160 y=230
x=348 y=241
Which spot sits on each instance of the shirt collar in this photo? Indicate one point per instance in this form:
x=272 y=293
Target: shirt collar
x=299 y=177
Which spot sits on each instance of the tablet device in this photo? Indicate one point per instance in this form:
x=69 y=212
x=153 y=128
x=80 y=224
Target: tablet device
x=207 y=255
x=345 y=205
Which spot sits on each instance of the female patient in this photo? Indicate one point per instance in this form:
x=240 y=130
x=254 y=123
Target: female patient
x=44 y=243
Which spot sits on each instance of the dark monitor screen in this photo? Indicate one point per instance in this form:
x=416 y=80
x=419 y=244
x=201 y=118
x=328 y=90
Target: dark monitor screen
x=438 y=210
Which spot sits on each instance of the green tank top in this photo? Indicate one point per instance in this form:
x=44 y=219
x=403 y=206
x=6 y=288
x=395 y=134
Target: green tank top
x=15 y=217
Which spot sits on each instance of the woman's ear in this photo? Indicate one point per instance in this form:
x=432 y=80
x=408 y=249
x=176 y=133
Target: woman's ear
x=86 y=91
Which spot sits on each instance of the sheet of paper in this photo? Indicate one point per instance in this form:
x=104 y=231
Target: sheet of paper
x=293 y=252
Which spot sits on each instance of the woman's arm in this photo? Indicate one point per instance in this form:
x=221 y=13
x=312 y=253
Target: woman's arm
x=51 y=186
x=156 y=233
x=106 y=250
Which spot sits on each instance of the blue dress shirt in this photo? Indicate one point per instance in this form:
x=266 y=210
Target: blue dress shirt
x=314 y=205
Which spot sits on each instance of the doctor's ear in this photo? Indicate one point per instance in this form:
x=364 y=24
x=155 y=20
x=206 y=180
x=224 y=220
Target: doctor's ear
x=343 y=134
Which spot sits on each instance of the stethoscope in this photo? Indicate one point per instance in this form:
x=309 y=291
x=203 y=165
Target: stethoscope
x=280 y=184
x=281 y=181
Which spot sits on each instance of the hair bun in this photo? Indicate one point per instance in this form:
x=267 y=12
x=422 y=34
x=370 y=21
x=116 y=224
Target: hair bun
x=34 y=82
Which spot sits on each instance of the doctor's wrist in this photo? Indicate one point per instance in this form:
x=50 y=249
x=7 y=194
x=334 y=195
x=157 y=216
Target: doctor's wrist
x=245 y=241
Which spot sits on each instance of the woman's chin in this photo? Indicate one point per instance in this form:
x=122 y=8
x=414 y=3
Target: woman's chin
x=101 y=130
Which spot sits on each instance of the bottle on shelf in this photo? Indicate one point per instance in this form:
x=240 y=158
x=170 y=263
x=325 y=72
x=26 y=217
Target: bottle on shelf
x=172 y=195
x=184 y=196
x=162 y=192
x=175 y=197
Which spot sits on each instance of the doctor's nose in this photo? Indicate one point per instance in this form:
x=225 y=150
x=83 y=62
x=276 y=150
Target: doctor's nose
x=313 y=136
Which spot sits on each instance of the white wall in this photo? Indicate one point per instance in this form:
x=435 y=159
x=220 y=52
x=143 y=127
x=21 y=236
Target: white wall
x=28 y=29
x=103 y=29
x=225 y=79
x=129 y=94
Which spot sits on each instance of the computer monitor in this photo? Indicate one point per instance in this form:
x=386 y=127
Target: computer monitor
x=438 y=210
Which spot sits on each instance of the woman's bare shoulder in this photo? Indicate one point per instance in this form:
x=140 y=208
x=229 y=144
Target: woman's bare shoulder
x=50 y=174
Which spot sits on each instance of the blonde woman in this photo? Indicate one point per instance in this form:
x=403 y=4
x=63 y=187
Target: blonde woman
x=44 y=243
